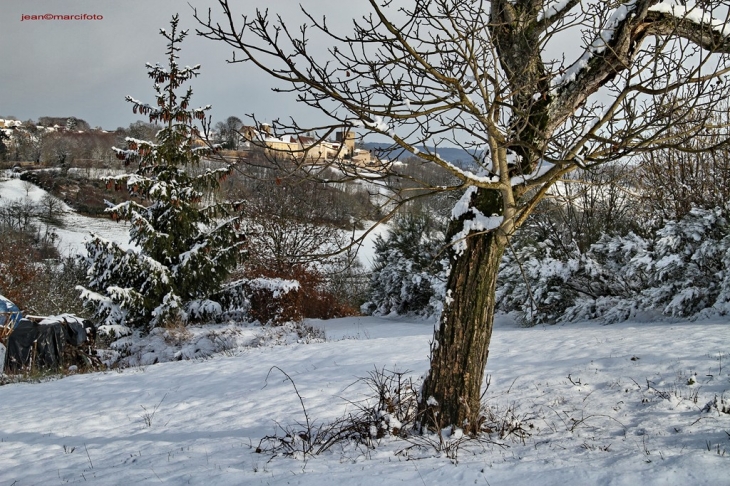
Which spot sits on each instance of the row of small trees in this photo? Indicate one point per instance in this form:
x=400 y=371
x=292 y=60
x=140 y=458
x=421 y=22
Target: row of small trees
x=75 y=144
x=681 y=269
x=610 y=243
x=53 y=148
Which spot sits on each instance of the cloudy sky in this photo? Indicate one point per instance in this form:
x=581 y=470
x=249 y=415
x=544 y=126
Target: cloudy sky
x=86 y=68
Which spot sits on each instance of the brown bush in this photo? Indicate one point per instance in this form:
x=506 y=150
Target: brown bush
x=311 y=301
x=35 y=278
x=269 y=306
x=19 y=272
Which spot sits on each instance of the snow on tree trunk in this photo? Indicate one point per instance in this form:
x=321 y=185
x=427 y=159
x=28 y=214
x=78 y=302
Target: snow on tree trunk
x=451 y=392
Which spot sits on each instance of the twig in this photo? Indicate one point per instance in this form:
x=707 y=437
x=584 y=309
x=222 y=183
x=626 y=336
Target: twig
x=149 y=416
x=576 y=383
x=87 y=455
x=637 y=385
x=661 y=394
x=513 y=384
x=419 y=474
x=301 y=402
x=488 y=382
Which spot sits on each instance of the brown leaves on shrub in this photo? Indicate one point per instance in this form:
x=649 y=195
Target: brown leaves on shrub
x=310 y=301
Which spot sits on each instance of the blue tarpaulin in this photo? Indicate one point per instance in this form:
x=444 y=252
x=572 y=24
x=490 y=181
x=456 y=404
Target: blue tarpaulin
x=9 y=312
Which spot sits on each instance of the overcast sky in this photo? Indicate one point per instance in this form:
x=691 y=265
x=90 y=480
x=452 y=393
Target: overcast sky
x=86 y=68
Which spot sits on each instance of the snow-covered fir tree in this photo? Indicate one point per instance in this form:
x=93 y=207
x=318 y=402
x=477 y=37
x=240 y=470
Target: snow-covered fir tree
x=409 y=274
x=186 y=248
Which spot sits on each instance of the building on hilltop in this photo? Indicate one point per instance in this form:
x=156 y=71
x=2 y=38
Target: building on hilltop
x=10 y=124
x=308 y=149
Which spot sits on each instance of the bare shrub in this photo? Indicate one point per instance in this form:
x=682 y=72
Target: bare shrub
x=393 y=407
x=176 y=332
x=505 y=424
x=306 y=438
x=390 y=411
x=675 y=181
x=720 y=405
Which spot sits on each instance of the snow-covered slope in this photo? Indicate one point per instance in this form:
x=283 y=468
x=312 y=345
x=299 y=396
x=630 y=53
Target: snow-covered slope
x=603 y=405
x=76 y=228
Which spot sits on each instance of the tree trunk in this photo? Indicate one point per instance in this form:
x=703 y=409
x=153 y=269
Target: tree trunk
x=451 y=392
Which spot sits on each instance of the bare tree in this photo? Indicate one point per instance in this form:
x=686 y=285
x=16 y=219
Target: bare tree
x=140 y=130
x=4 y=139
x=585 y=205
x=290 y=226
x=19 y=215
x=28 y=146
x=58 y=149
x=50 y=209
x=229 y=132
x=27 y=186
x=492 y=77
x=675 y=181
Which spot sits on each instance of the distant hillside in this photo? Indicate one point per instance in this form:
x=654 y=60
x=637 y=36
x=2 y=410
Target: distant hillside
x=452 y=154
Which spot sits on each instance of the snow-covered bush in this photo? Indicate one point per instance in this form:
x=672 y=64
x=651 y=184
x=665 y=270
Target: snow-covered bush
x=689 y=265
x=409 y=273
x=682 y=270
x=536 y=284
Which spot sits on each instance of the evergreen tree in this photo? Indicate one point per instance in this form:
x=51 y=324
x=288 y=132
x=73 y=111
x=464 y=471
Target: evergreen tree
x=408 y=277
x=186 y=249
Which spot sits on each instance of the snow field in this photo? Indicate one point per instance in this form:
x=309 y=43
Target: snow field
x=603 y=405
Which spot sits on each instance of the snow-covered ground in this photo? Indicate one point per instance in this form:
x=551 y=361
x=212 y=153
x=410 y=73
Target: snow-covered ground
x=609 y=405
x=76 y=228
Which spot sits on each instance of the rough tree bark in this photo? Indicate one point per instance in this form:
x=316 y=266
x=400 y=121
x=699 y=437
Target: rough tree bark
x=461 y=340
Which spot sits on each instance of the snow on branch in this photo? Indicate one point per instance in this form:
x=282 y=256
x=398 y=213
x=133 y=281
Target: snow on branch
x=598 y=46
x=553 y=9
x=695 y=15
